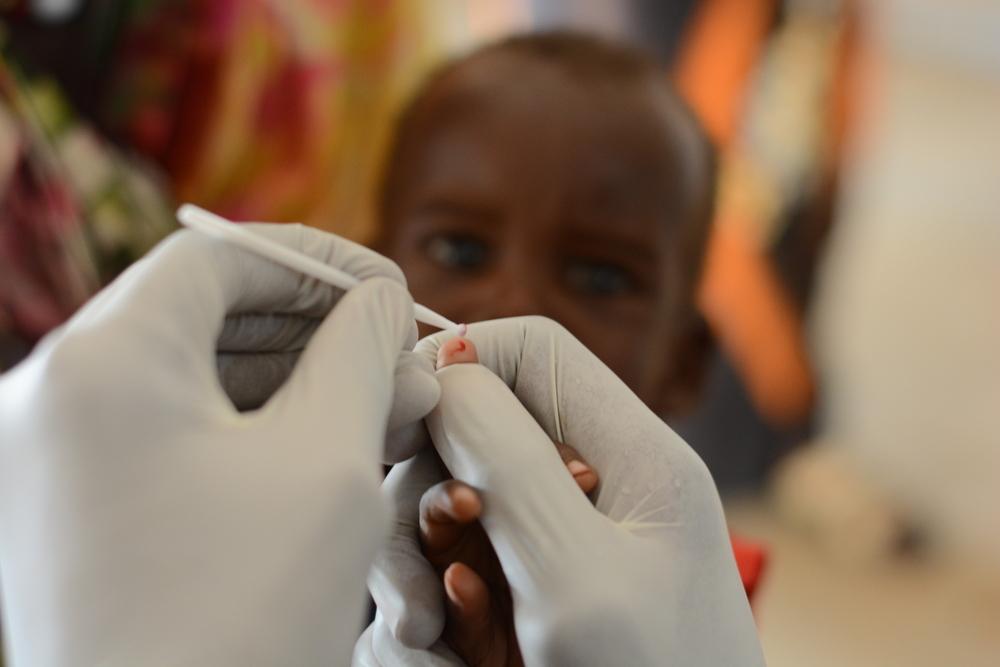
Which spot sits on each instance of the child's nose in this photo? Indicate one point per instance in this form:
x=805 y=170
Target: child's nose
x=519 y=294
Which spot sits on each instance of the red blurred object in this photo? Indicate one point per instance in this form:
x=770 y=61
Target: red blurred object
x=751 y=559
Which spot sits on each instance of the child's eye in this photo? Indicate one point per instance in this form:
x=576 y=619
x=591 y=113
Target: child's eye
x=457 y=251
x=595 y=278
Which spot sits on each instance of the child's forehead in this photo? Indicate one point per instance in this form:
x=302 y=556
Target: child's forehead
x=528 y=96
x=535 y=103
x=500 y=77
x=523 y=123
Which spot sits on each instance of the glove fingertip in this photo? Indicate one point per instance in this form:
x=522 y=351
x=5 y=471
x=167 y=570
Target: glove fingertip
x=405 y=442
x=418 y=626
x=416 y=390
x=408 y=594
x=364 y=652
x=415 y=394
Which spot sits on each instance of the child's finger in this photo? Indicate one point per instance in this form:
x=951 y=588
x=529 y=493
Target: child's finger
x=469 y=612
x=583 y=473
x=460 y=350
x=447 y=510
x=457 y=350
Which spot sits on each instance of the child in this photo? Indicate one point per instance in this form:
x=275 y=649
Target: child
x=559 y=175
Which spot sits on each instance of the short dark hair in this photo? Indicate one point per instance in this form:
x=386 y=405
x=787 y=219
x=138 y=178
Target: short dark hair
x=592 y=59
x=587 y=56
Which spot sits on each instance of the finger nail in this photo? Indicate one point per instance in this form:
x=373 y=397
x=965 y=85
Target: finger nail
x=464 y=497
x=456 y=589
x=577 y=468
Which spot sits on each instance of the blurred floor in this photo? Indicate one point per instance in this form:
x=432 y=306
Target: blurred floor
x=813 y=611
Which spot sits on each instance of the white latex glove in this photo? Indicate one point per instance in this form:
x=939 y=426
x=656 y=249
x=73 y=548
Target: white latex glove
x=257 y=351
x=646 y=578
x=144 y=521
x=407 y=591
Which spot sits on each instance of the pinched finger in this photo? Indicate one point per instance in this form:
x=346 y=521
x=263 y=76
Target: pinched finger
x=583 y=473
x=447 y=511
x=457 y=350
x=460 y=350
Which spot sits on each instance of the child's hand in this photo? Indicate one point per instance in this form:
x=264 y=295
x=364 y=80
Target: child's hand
x=480 y=618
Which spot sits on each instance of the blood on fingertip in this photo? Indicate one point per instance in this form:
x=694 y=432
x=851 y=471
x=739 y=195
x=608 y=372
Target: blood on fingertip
x=457 y=350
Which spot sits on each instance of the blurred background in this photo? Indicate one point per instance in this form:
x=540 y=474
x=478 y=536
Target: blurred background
x=850 y=293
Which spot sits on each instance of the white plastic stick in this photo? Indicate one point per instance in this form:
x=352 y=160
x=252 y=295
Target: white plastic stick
x=209 y=223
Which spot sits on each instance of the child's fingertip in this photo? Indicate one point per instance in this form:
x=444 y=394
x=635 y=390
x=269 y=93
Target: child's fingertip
x=458 y=585
x=457 y=350
x=583 y=474
x=464 y=501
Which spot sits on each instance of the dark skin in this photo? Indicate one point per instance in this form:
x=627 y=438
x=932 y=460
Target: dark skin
x=518 y=189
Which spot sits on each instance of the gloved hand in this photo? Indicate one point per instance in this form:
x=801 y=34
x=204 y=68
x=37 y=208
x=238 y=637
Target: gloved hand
x=479 y=626
x=647 y=577
x=143 y=520
x=256 y=351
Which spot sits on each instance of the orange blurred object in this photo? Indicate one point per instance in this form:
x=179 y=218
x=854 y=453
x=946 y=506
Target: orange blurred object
x=716 y=59
x=740 y=295
x=751 y=560
x=756 y=324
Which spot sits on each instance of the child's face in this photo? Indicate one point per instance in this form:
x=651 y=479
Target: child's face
x=519 y=191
